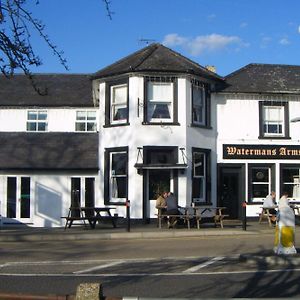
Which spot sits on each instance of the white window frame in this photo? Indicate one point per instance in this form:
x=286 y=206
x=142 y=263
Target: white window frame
x=122 y=104
x=86 y=120
x=202 y=177
x=112 y=176
x=37 y=121
x=203 y=106
x=277 y=122
x=259 y=199
x=152 y=102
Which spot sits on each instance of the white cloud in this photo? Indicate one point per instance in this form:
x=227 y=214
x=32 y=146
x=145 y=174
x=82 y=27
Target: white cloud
x=299 y=29
x=202 y=43
x=284 y=41
x=265 y=41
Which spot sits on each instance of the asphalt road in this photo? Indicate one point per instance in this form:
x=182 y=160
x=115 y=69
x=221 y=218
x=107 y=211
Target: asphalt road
x=203 y=267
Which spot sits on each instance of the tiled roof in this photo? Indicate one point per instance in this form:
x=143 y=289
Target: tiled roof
x=61 y=90
x=263 y=78
x=156 y=58
x=57 y=151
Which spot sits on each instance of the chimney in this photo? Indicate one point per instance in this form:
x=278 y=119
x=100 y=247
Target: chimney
x=211 y=68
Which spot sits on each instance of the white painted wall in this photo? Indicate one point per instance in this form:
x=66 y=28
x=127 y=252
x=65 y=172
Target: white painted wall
x=59 y=119
x=237 y=118
x=50 y=198
x=138 y=135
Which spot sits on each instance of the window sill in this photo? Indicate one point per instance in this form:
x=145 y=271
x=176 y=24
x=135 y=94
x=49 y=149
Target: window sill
x=274 y=137
x=161 y=123
x=115 y=125
x=201 y=126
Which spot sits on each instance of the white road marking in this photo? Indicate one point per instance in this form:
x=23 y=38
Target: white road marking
x=203 y=265
x=112 y=264
x=148 y=274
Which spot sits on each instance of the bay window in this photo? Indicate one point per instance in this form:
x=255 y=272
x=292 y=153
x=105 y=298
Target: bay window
x=161 y=103
x=116 y=105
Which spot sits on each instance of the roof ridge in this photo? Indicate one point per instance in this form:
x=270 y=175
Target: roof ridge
x=121 y=60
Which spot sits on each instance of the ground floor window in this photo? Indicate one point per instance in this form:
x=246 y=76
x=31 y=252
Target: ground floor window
x=261 y=181
x=200 y=175
x=290 y=181
x=18 y=197
x=116 y=175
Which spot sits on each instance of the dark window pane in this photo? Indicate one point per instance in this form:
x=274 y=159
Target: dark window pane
x=260 y=190
x=91 y=126
x=260 y=175
x=42 y=126
x=120 y=114
x=25 y=197
x=31 y=126
x=80 y=127
x=161 y=111
x=119 y=164
x=121 y=187
x=11 y=197
x=75 y=196
x=199 y=164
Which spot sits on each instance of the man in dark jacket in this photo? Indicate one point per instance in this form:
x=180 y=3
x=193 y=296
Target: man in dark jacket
x=172 y=209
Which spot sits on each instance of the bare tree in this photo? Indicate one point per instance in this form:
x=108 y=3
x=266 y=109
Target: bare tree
x=17 y=24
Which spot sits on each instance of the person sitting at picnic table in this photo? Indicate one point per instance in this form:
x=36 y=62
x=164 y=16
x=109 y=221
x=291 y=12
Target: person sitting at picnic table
x=172 y=209
x=270 y=203
x=161 y=203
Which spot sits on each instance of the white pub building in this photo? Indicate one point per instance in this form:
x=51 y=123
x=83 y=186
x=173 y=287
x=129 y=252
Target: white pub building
x=152 y=121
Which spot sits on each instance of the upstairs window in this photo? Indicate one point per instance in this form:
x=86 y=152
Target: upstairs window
x=116 y=105
x=274 y=120
x=86 y=121
x=37 y=120
x=160 y=100
x=200 y=104
x=119 y=110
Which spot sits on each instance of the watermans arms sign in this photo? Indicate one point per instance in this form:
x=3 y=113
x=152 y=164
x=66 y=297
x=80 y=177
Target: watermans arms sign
x=260 y=151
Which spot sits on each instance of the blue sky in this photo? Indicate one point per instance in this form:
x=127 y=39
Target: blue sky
x=228 y=34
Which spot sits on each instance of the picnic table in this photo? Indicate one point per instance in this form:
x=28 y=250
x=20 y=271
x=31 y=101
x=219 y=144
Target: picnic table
x=196 y=212
x=90 y=214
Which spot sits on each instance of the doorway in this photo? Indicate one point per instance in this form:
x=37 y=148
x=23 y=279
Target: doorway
x=231 y=189
x=18 y=198
x=157 y=181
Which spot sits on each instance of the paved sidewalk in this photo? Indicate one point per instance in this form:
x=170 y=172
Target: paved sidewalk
x=137 y=231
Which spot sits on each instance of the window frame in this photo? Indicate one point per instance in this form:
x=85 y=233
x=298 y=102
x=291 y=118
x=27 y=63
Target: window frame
x=271 y=182
x=206 y=104
x=173 y=120
x=86 y=121
x=109 y=122
x=282 y=184
x=37 y=121
x=285 y=123
x=108 y=199
x=206 y=178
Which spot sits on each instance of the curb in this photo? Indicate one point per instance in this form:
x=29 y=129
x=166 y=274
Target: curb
x=24 y=236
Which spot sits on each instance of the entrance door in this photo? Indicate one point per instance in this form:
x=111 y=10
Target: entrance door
x=231 y=190
x=158 y=181
x=18 y=198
